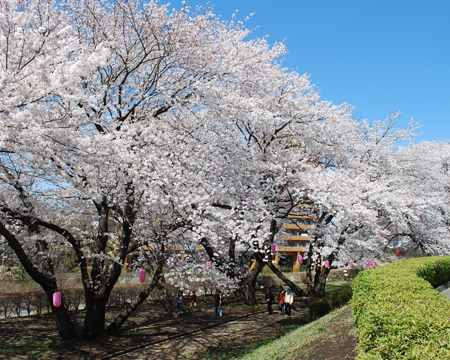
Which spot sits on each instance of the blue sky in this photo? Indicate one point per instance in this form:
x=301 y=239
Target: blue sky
x=374 y=55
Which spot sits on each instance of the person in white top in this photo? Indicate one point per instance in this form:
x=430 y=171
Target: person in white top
x=288 y=301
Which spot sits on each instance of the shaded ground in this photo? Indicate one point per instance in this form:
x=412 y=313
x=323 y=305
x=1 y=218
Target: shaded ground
x=330 y=337
x=36 y=337
x=244 y=342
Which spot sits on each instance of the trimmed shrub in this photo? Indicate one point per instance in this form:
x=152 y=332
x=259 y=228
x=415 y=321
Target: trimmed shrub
x=338 y=274
x=397 y=312
x=334 y=301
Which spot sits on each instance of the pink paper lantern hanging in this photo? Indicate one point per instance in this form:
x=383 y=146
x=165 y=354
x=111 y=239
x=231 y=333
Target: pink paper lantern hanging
x=208 y=265
x=327 y=264
x=367 y=264
x=274 y=248
x=373 y=263
x=351 y=263
x=300 y=259
x=56 y=299
x=143 y=275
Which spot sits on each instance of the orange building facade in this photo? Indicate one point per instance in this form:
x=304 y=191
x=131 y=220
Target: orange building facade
x=295 y=240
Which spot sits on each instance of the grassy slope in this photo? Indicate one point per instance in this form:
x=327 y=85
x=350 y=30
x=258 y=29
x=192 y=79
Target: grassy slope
x=329 y=337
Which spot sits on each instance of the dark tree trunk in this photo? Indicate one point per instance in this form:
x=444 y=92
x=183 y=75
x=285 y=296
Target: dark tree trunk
x=313 y=280
x=316 y=285
x=309 y=269
x=66 y=328
x=65 y=325
x=295 y=288
x=321 y=281
x=246 y=292
x=317 y=288
x=130 y=308
x=167 y=296
x=94 y=321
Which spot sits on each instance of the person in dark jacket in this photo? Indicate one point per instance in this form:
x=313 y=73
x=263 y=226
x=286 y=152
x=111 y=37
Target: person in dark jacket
x=269 y=300
x=218 y=302
x=179 y=299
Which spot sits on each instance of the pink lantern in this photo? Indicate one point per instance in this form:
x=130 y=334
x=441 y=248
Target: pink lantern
x=327 y=264
x=143 y=275
x=274 y=248
x=368 y=264
x=208 y=265
x=56 y=299
x=299 y=259
x=398 y=252
x=351 y=263
x=373 y=263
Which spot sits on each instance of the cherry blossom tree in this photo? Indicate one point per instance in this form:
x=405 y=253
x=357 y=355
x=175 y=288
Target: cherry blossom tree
x=112 y=143
x=417 y=213
x=129 y=128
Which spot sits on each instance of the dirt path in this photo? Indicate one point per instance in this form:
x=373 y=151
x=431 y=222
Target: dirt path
x=189 y=344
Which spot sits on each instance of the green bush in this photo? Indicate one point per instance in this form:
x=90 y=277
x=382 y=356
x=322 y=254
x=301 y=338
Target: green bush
x=398 y=314
x=325 y=305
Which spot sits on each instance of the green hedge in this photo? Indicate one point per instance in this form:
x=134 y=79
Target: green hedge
x=397 y=312
x=334 y=301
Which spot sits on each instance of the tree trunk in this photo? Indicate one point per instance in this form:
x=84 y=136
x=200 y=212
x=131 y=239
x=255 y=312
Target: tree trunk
x=246 y=292
x=130 y=308
x=167 y=297
x=94 y=321
x=65 y=326
x=309 y=268
x=316 y=286
x=295 y=288
x=321 y=281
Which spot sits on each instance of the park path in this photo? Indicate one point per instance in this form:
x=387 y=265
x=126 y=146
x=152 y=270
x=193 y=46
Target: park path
x=189 y=344
x=444 y=290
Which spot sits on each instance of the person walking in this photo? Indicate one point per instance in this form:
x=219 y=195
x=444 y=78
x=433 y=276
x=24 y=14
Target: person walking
x=288 y=301
x=280 y=299
x=193 y=304
x=179 y=299
x=218 y=302
x=269 y=300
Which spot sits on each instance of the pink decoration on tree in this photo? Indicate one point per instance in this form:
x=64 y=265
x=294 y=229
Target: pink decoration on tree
x=143 y=275
x=398 y=252
x=373 y=263
x=56 y=299
x=300 y=259
x=327 y=264
x=208 y=265
x=274 y=248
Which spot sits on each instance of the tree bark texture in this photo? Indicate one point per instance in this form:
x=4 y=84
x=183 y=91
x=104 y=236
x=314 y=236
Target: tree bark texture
x=130 y=308
x=66 y=328
x=295 y=288
x=246 y=292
